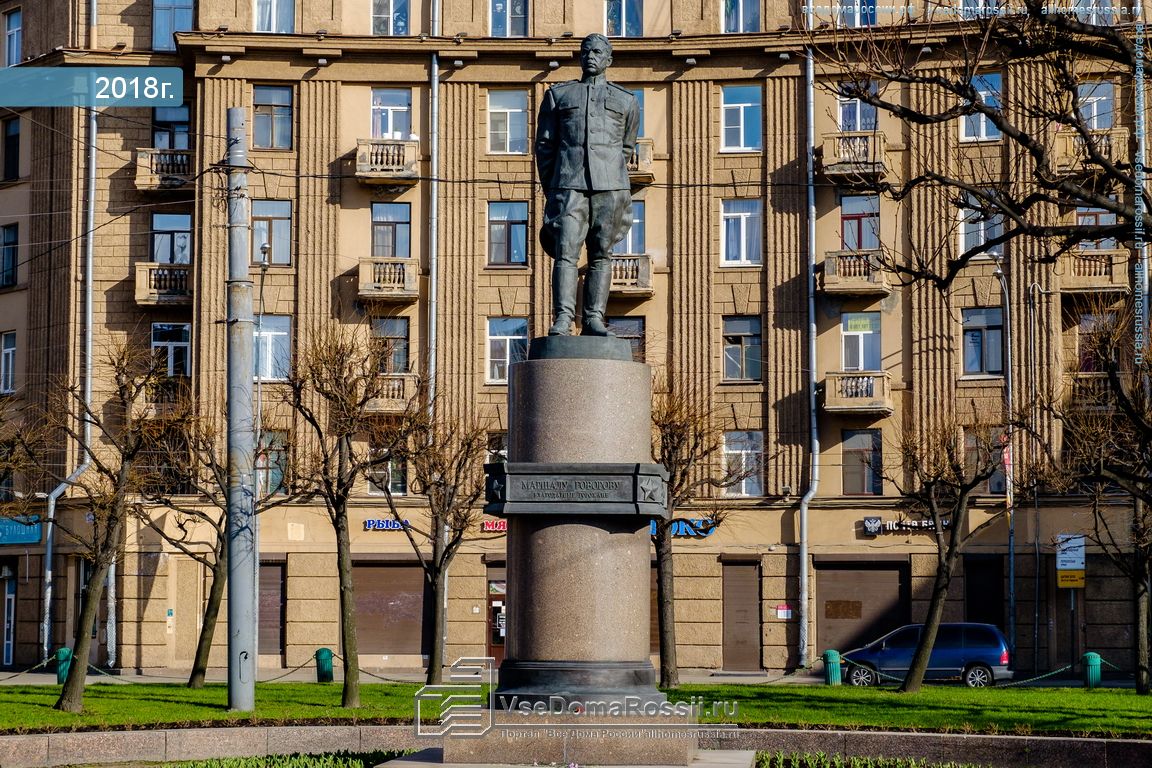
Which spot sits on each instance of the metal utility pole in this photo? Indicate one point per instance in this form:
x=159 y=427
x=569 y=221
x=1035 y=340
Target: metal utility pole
x=242 y=542
x=1009 y=461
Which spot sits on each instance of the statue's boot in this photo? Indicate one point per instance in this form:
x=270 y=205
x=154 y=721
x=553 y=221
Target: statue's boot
x=597 y=284
x=564 y=279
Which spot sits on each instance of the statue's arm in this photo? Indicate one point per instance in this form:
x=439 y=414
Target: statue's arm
x=631 y=128
x=546 y=140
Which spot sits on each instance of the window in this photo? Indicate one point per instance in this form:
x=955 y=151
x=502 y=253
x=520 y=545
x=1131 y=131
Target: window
x=497 y=452
x=276 y=16
x=508 y=122
x=171 y=238
x=390 y=335
x=741 y=118
x=507 y=343
x=862 y=462
x=391 y=230
x=631 y=329
x=741 y=348
x=978 y=453
x=740 y=232
x=273 y=347
x=8 y=362
x=1098 y=12
x=624 y=18
x=170 y=345
x=860 y=335
x=9 y=246
x=171 y=127
x=1093 y=337
x=389 y=17
x=857 y=13
x=11 y=149
x=977 y=126
x=1092 y=218
x=1097 y=101
x=974 y=9
x=508 y=234
x=744 y=457
x=741 y=15
x=13 y=38
x=272 y=226
x=860 y=222
x=272 y=121
x=980 y=223
x=271 y=463
x=391 y=477
x=983 y=341
x=639 y=94
x=391 y=113
x=509 y=18
x=856 y=114
x=633 y=242
x=170 y=16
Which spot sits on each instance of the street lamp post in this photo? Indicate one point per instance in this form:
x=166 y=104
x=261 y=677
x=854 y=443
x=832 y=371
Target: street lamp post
x=1002 y=279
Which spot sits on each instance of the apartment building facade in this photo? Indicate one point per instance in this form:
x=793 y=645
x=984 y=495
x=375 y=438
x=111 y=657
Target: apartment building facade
x=392 y=184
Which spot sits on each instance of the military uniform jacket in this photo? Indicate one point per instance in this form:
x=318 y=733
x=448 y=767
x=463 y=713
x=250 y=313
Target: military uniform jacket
x=585 y=136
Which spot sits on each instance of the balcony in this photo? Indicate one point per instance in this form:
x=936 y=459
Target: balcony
x=163 y=284
x=1095 y=270
x=854 y=273
x=1089 y=392
x=389 y=279
x=640 y=164
x=1071 y=149
x=387 y=162
x=858 y=392
x=855 y=156
x=164 y=398
x=159 y=169
x=397 y=391
x=631 y=276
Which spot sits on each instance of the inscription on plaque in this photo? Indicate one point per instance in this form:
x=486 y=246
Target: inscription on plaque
x=571 y=489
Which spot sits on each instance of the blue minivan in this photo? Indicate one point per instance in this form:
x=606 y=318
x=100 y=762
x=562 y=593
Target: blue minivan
x=976 y=654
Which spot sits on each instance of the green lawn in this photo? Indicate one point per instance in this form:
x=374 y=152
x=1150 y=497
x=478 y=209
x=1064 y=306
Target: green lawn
x=1103 y=712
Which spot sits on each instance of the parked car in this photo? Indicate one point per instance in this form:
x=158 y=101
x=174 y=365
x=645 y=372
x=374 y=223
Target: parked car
x=976 y=654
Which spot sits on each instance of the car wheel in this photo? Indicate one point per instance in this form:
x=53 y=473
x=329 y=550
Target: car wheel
x=861 y=676
x=978 y=676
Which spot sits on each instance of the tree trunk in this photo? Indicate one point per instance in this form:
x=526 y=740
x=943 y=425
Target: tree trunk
x=666 y=606
x=211 y=613
x=439 y=626
x=72 y=696
x=1141 y=599
x=350 y=696
x=915 y=677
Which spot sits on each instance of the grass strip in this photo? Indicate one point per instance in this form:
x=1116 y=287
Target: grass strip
x=1102 y=712
x=821 y=760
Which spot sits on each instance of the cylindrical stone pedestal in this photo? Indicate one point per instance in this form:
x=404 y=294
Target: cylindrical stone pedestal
x=579 y=586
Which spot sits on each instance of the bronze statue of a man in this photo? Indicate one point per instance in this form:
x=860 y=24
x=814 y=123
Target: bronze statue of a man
x=585 y=135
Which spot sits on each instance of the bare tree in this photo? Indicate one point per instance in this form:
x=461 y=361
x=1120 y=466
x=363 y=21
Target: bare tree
x=940 y=470
x=187 y=479
x=688 y=439
x=354 y=420
x=446 y=463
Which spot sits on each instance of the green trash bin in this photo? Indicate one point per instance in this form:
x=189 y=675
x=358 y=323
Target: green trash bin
x=63 y=664
x=1091 y=670
x=832 y=667
x=324 y=665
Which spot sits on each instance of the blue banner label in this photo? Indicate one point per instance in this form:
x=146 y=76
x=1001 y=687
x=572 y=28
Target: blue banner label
x=20 y=530
x=91 y=87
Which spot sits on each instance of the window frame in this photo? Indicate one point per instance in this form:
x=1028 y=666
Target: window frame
x=858 y=109
x=397 y=360
x=869 y=459
x=508 y=6
x=1096 y=217
x=860 y=220
x=272 y=113
x=738 y=446
x=159 y=230
x=380 y=110
x=172 y=349
x=747 y=113
x=510 y=114
x=7 y=362
x=9 y=255
x=13 y=37
x=634 y=330
x=266 y=343
x=170 y=128
x=850 y=17
x=513 y=350
x=991 y=95
x=394 y=232
x=10 y=148
x=273 y=442
x=279 y=230
x=976 y=229
x=394 y=30
x=751 y=228
x=276 y=16
x=867 y=349
x=635 y=240
x=741 y=22
x=984 y=330
x=394 y=473
x=1094 y=94
x=626 y=19
x=176 y=23
x=744 y=349
x=998 y=479
x=511 y=229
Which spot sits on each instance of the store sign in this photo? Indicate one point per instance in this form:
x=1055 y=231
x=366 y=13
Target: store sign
x=874 y=526
x=1070 y=567
x=493 y=526
x=20 y=530
x=385 y=525
x=689 y=529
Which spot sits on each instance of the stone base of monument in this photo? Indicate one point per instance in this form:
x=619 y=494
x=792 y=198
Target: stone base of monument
x=712 y=758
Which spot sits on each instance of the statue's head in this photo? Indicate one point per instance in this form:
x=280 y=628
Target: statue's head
x=595 y=54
